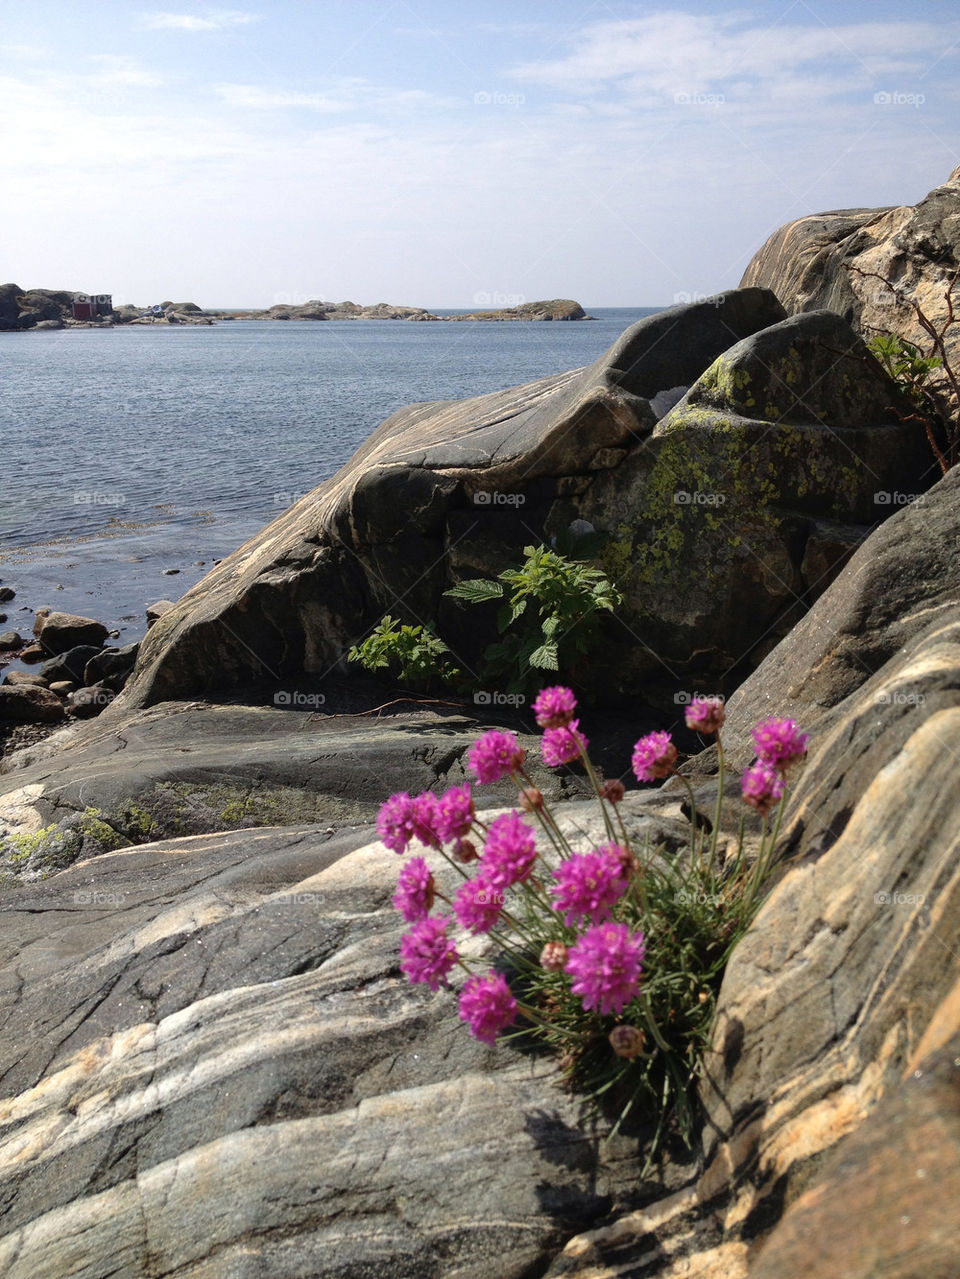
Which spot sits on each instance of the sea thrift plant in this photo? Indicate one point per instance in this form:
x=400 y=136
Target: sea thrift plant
x=612 y=954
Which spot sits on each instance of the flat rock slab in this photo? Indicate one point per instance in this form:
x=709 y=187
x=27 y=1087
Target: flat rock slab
x=183 y=769
x=211 y=1066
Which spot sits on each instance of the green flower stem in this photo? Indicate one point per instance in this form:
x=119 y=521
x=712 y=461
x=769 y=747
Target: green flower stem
x=649 y=1018
x=545 y=817
x=715 y=837
x=595 y=783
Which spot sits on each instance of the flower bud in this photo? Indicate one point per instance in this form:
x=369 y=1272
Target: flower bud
x=553 y=957
x=613 y=790
x=465 y=851
x=627 y=1041
x=531 y=799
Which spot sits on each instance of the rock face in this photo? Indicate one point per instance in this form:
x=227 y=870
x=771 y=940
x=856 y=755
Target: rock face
x=454 y=490
x=903 y=578
x=187 y=769
x=233 y=1078
x=807 y=262
x=833 y=1082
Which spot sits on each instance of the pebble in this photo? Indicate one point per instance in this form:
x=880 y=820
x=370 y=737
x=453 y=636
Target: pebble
x=169 y=572
x=6 y=594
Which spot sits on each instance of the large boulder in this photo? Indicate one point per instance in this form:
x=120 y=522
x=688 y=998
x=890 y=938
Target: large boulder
x=748 y=497
x=447 y=491
x=917 y=247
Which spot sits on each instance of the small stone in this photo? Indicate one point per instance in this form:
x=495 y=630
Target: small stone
x=6 y=594
x=10 y=640
x=32 y=653
x=62 y=687
x=169 y=572
x=24 y=677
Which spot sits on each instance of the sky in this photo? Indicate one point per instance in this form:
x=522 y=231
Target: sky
x=442 y=153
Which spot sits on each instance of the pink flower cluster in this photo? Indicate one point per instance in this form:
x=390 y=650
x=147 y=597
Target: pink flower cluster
x=429 y=820
x=562 y=740
x=590 y=884
x=706 y=714
x=605 y=965
x=654 y=757
x=779 y=743
x=495 y=755
x=605 y=961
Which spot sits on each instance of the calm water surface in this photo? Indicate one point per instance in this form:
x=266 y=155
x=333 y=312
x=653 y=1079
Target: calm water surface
x=129 y=451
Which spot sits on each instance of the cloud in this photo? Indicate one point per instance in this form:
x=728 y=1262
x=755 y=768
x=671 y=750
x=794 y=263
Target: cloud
x=253 y=96
x=653 y=58
x=215 y=20
x=124 y=72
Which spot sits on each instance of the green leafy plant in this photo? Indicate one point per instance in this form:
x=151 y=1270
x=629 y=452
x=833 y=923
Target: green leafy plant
x=557 y=603
x=415 y=654
x=929 y=381
x=609 y=953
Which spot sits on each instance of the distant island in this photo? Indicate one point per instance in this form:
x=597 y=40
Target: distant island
x=42 y=309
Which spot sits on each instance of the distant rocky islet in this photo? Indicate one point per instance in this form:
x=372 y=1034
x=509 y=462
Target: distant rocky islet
x=44 y=309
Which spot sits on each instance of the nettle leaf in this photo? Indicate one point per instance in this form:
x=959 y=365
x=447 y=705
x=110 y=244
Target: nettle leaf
x=545 y=658
x=476 y=590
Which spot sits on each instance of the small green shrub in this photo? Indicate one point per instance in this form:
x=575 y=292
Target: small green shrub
x=413 y=653
x=557 y=603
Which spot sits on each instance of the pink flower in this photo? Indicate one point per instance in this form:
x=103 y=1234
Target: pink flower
x=487 y=1005
x=706 y=714
x=510 y=851
x=454 y=814
x=654 y=757
x=396 y=822
x=605 y=964
x=762 y=786
x=588 y=884
x=426 y=952
x=554 y=707
x=495 y=755
x=426 y=819
x=563 y=745
x=477 y=905
x=779 y=742
x=415 y=890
